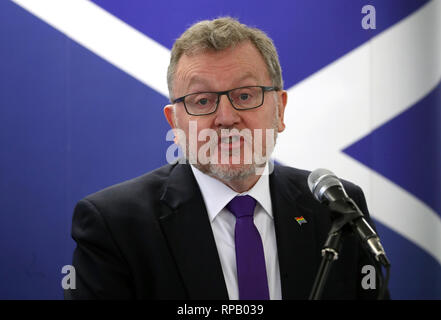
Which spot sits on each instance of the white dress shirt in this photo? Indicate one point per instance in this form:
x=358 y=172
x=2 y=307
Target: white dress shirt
x=216 y=196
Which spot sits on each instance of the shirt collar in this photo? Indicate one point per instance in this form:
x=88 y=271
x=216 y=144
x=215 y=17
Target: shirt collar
x=217 y=195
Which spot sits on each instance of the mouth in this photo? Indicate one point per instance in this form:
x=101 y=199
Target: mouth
x=230 y=142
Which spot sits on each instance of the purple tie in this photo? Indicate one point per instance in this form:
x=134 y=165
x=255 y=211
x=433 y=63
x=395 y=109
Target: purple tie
x=250 y=258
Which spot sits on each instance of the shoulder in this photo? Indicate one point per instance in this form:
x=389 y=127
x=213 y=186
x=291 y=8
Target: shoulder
x=137 y=193
x=299 y=178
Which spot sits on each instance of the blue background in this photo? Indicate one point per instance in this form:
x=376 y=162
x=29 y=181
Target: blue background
x=72 y=123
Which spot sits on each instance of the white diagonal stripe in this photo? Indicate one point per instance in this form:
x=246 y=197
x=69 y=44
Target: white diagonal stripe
x=367 y=87
x=357 y=93
x=406 y=63
x=106 y=36
x=393 y=206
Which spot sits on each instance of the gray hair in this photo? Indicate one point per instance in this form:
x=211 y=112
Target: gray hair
x=220 y=34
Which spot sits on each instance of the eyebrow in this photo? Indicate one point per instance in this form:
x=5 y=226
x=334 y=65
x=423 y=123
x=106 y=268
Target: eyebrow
x=196 y=79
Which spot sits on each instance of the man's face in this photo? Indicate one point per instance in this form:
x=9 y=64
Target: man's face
x=220 y=71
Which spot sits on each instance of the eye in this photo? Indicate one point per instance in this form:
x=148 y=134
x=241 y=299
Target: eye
x=202 y=101
x=244 y=96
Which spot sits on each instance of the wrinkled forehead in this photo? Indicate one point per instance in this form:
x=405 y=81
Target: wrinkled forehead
x=221 y=68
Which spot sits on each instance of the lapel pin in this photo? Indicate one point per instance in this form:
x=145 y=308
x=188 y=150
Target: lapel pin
x=301 y=220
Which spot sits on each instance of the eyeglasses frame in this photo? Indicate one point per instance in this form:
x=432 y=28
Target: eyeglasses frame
x=221 y=93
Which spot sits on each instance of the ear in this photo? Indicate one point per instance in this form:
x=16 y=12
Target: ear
x=283 y=100
x=169 y=115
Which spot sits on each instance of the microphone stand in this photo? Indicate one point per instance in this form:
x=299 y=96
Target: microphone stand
x=331 y=247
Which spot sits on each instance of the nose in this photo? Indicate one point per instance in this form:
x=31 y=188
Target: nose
x=226 y=115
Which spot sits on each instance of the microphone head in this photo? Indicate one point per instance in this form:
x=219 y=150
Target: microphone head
x=321 y=180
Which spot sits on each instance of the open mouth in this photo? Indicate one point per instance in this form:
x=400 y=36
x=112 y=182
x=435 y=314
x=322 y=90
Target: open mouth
x=230 y=142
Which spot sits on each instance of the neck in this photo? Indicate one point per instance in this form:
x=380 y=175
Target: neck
x=241 y=185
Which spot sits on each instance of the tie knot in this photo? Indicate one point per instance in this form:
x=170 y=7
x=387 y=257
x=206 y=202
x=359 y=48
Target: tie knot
x=242 y=206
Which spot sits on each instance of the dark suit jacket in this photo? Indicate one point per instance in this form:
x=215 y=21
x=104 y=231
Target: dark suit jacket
x=150 y=238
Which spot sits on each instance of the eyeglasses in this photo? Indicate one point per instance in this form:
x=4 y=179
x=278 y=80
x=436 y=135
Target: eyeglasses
x=243 y=98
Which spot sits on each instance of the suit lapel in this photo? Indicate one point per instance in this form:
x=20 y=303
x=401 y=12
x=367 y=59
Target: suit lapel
x=186 y=225
x=297 y=246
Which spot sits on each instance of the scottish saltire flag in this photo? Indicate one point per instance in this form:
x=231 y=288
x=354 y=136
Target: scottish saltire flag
x=83 y=83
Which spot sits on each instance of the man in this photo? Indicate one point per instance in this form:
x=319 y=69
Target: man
x=215 y=227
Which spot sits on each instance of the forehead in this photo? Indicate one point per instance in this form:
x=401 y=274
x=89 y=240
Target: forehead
x=221 y=70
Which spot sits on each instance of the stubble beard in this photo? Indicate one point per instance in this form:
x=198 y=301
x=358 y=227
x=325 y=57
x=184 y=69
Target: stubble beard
x=229 y=172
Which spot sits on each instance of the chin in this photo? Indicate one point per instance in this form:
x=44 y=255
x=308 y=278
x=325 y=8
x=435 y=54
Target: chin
x=228 y=172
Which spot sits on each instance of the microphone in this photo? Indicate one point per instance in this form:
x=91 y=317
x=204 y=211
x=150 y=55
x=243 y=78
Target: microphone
x=328 y=189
